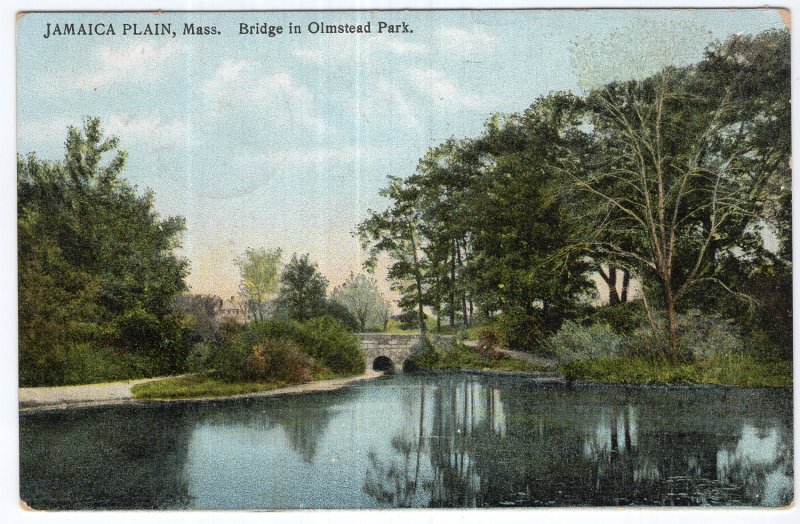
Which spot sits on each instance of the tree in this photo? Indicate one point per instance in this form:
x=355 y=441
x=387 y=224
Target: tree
x=259 y=269
x=302 y=291
x=361 y=296
x=397 y=232
x=96 y=262
x=679 y=174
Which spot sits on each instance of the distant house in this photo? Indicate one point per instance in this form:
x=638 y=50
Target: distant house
x=234 y=309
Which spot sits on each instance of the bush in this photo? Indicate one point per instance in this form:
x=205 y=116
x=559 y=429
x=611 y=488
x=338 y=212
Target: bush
x=704 y=336
x=278 y=360
x=700 y=336
x=332 y=344
x=622 y=318
x=340 y=312
x=199 y=357
x=520 y=332
x=87 y=364
x=325 y=339
x=576 y=342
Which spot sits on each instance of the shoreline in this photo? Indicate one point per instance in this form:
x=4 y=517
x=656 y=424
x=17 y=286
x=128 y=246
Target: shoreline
x=39 y=399
x=96 y=395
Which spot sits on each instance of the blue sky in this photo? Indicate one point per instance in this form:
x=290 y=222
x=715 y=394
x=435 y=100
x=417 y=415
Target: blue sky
x=285 y=141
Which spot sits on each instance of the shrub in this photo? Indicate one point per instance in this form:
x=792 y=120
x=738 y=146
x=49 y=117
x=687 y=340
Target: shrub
x=199 y=357
x=87 y=363
x=519 y=331
x=278 y=360
x=325 y=339
x=704 y=336
x=622 y=318
x=332 y=344
x=340 y=312
x=576 y=342
x=700 y=336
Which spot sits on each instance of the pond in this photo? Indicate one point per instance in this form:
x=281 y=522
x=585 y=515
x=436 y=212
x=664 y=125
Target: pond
x=445 y=440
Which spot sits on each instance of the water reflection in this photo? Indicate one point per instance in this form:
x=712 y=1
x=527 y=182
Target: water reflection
x=502 y=444
x=419 y=441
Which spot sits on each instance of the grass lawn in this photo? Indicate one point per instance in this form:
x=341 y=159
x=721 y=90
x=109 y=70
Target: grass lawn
x=197 y=386
x=729 y=370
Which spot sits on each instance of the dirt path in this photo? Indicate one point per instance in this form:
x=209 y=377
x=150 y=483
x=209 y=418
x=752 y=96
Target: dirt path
x=62 y=397
x=521 y=355
x=550 y=363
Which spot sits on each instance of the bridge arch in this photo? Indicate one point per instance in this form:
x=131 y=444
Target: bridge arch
x=383 y=363
x=378 y=348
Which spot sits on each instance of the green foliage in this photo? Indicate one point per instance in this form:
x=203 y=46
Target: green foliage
x=520 y=332
x=623 y=318
x=460 y=357
x=701 y=336
x=730 y=370
x=259 y=278
x=335 y=309
x=302 y=290
x=331 y=344
x=576 y=342
x=91 y=364
x=362 y=298
x=200 y=357
x=96 y=262
x=324 y=339
x=201 y=315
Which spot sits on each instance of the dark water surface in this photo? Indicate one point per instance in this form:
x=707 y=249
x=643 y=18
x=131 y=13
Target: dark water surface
x=452 y=440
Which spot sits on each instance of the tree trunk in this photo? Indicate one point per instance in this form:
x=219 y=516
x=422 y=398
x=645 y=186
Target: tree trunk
x=672 y=319
x=464 y=319
x=453 y=285
x=626 y=281
x=610 y=279
x=418 y=282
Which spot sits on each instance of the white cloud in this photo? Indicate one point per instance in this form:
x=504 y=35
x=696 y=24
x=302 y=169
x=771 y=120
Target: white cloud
x=242 y=84
x=463 y=41
x=139 y=62
x=147 y=130
x=441 y=89
x=388 y=102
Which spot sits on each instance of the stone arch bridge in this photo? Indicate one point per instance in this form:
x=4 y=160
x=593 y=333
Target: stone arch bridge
x=391 y=352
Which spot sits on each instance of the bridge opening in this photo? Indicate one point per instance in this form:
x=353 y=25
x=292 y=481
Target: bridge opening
x=383 y=363
x=409 y=366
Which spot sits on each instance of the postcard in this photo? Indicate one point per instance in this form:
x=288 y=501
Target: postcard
x=382 y=259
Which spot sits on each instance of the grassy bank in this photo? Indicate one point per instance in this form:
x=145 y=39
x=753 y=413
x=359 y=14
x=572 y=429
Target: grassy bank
x=729 y=370
x=206 y=385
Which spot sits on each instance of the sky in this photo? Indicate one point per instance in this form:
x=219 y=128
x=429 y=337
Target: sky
x=285 y=141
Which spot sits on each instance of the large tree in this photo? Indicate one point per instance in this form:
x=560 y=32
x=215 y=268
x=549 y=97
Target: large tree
x=682 y=167
x=302 y=290
x=397 y=232
x=362 y=298
x=96 y=262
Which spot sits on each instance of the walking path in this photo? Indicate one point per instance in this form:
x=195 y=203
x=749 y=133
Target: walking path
x=520 y=355
x=62 y=397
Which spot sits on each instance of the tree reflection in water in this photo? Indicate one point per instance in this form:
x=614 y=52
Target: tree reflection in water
x=484 y=442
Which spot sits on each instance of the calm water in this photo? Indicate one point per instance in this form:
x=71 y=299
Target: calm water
x=419 y=441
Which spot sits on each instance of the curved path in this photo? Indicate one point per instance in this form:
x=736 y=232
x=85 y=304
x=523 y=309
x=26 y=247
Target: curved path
x=61 y=397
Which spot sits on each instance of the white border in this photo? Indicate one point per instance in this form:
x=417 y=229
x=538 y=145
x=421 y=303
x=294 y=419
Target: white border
x=9 y=473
